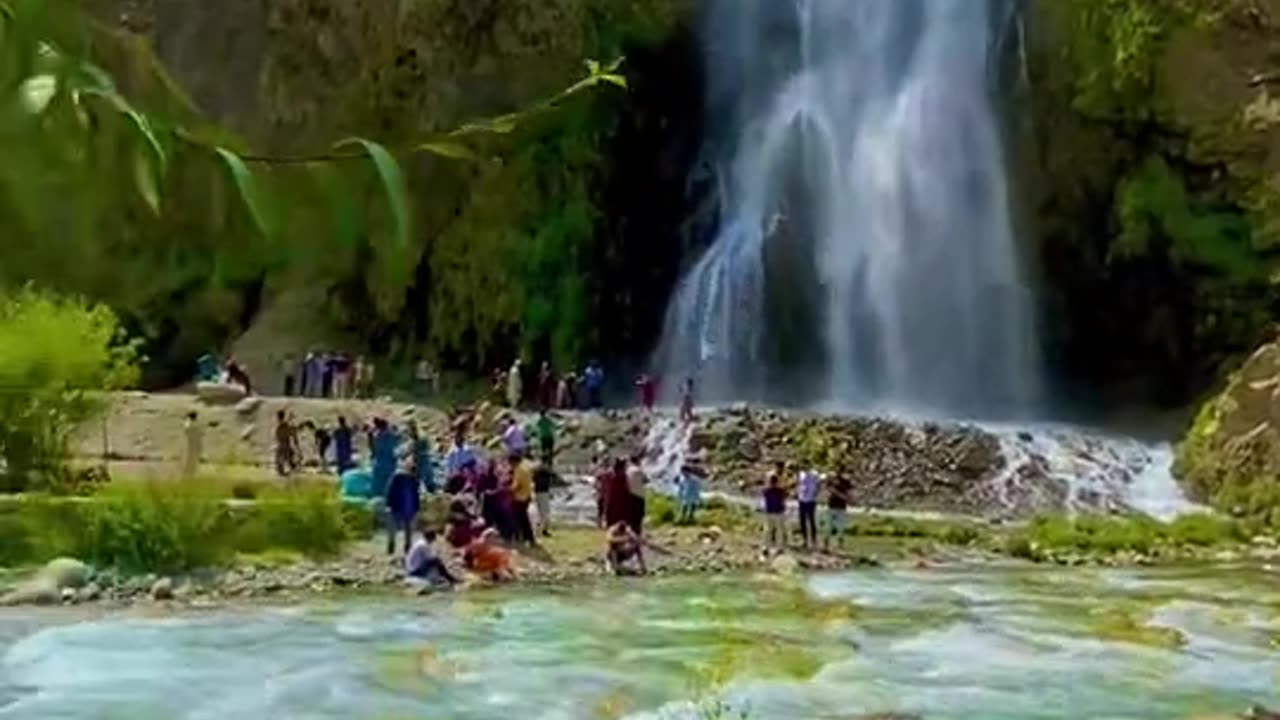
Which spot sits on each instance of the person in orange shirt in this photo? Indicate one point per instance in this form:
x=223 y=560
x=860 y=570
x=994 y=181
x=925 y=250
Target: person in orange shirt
x=521 y=495
x=485 y=557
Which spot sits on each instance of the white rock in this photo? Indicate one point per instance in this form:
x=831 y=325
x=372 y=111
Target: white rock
x=162 y=589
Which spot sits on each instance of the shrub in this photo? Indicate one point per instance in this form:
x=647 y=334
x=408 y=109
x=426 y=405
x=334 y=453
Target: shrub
x=56 y=355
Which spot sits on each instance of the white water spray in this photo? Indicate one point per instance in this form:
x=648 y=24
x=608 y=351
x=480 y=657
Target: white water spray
x=865 y=164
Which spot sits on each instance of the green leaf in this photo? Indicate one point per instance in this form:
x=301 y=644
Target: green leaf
x=248 y=188
x=444 y=148
x=139 y=120
x=501 y=125
x=346 y=216
x=392 y=182
x=146 y=182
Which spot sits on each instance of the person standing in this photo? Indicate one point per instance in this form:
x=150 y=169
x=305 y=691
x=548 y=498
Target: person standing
x=690 y=493
x=358 y=370
x=593 y=379
x=341 y=376
x=648 y=392
x=546 y=386
x=343 y=446
x=312 y=375
x=686 y=401
x=326 y=374
x=522 y=469
x=460 y=455
x=515 y=385
x=546 y=432
x=807 y=487
x=420 y=454
x=563 y=396
x=322 y=440
x=195 y=445
x=383 y=453
x=775 y=512
x=617 y=497
x=543 y=476
x=637 y=486
x=402 y=505
x=513 y=439
x=837 y=511
x=286 y=445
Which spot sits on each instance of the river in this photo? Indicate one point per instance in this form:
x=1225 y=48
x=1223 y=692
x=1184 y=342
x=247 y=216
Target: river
x=1000 y=644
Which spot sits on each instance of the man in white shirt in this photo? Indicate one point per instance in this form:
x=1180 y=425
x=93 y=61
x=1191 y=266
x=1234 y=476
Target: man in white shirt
x=422 y=562
x=807 y=488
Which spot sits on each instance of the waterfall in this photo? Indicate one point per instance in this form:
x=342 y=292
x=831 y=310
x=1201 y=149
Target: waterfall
x=864 y=255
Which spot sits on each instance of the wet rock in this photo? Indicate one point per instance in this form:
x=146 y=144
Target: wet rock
x=46 y=586
x=90 y=592
x=162 y=589
x=68 y=596
x=784 y=565
x=1257 y=712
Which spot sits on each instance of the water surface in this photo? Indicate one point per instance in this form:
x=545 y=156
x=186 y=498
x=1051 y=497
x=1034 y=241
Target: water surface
x=981 y=643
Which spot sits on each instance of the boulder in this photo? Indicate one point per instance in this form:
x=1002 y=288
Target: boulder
x=46 y=586
x=785 y=565
x=162 y=589
x=90 y=593
x=212 y=393
x=66 y=572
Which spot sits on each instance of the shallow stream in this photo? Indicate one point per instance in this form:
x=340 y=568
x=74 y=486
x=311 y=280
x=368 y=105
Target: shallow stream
x=986 y=643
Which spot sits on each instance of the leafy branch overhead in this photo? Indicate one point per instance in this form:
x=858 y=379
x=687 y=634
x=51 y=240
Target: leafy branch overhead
x=56 y=76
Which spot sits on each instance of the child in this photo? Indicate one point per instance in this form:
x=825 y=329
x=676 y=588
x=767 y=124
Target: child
x=775 y=509
x=422 y=562
x=690 y=493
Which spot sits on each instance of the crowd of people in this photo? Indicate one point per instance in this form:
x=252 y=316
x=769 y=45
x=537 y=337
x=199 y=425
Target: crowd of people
x=328 y=374
x=807 y=489
x=518 y=387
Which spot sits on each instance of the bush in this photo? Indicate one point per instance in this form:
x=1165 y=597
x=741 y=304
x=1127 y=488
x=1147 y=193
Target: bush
x=175 y=527
x=56 y=356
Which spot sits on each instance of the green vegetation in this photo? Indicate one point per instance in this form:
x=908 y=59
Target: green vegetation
x=1050 y=538
x=465 y=239
x=56 y=358
x=175 y=526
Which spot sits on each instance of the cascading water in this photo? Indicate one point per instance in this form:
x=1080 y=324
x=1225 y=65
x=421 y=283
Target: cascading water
x=865 y=234
x=865 y=240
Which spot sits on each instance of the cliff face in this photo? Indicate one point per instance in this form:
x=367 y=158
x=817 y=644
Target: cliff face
x=565 y=245
x=1154 y=133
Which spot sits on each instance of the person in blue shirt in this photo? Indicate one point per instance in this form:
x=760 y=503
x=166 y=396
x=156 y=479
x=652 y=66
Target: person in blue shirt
x=343 y=449
x=384 y=445
x=420 y=457
x=593 y=379
x=460 y=455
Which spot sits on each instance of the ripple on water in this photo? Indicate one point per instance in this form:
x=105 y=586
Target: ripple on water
x=946 y=644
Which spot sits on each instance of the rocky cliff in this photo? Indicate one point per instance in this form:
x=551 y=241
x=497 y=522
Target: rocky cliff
x=1230 y=458
x=1155 y=146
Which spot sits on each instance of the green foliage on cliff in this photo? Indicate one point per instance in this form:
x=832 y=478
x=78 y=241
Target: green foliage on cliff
x=1153 y=205
x=468 y=244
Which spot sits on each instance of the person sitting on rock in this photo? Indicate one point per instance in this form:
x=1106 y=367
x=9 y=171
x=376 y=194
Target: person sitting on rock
x=487 y=558
x=422 y=562
x=624 y=548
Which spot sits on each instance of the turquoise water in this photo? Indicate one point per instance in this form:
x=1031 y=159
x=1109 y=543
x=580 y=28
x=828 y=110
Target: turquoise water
x=946 y=644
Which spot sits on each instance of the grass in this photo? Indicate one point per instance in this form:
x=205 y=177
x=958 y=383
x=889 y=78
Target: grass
x=1051 y=536
x=168 y=527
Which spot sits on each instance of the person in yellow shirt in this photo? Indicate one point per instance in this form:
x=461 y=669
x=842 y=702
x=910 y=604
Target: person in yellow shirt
x=521 y=495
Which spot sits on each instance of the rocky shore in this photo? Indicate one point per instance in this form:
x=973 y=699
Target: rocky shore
x=570 y=555
x=893 y=464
